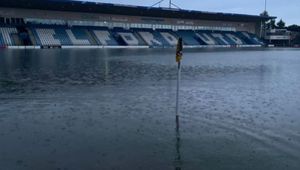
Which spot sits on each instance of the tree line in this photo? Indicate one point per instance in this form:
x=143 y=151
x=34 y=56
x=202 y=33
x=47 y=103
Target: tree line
x=295 y=29
x=282 y=25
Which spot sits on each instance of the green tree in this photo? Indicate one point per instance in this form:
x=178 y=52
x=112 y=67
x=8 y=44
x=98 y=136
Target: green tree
x=271 y=24
x=295 y=28
x=281 y=24
x=264 y=14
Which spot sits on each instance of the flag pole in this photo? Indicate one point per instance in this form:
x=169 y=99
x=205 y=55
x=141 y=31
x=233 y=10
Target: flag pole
x=178 y=141
x=178 y=60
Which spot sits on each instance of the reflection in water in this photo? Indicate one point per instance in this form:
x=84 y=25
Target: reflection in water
x=178 y=162
x=106 y=73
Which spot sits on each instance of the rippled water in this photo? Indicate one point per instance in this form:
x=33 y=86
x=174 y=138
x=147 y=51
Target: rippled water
x=115 y=109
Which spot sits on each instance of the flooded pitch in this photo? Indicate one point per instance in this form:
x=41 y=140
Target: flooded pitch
x=115 y=109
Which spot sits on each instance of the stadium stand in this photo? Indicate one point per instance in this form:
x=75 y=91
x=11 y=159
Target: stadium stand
x=103 y=36
x=188 y=37
x=46 y=37
x=62 y=36
x=251 y=37
x=151 y=37
x=126 y=37
x=227 y=38
x=80 y=23
x=169 y=36
x=6 y=36
x=1 y=40
x=158 y=36
x=220 y=38
x=53 y=35
x=205 y=38
x=234 y=39
x=59 y=35
x=78 y=36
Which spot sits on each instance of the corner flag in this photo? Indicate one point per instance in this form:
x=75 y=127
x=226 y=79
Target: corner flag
x=179 y=50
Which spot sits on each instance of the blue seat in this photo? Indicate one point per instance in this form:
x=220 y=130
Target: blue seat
x=249 y=38
x=1 y=40
x=188 y=37
x=111 y=42
x=156 y=35
x=123 y=40
x=170 y=38
x=227 y=38
x=238 y=36
x=218 y=40
x=36 y=37
x=80 y=34
x=6 y=32
x=62 y=36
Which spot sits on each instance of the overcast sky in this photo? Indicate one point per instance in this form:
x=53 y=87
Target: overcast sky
x=288 y=10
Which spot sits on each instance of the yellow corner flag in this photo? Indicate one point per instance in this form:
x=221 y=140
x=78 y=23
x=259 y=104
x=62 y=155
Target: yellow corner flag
x=179 y=50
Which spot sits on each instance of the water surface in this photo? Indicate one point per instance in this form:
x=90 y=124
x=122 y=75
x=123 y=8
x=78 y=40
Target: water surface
x=115 y=109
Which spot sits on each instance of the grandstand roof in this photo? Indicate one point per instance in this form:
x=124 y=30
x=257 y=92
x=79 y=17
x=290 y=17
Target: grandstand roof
x=106 y=8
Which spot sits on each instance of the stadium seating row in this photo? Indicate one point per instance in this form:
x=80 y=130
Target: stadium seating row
x=46 y=35
x=6 y=36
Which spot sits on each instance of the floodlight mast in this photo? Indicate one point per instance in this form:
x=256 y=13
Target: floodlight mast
x=171 y=4
x=266 y=5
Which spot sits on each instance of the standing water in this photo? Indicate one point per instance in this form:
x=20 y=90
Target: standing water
x=115 y=109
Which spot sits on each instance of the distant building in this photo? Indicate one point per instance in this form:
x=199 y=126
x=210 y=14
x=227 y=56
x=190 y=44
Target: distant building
x=279 y=37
